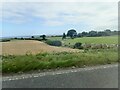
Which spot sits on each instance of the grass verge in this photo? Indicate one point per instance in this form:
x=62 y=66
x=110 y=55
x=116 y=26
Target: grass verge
x=24 y=63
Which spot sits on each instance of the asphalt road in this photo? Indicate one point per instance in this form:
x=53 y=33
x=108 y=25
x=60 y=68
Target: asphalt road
x=105 y=76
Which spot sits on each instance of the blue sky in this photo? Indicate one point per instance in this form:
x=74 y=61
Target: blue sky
x=50 y=18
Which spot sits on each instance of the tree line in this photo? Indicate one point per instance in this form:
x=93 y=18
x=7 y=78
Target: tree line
x=73 y=33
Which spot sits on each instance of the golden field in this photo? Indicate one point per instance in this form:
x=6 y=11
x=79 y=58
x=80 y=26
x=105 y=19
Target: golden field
x=21 y=47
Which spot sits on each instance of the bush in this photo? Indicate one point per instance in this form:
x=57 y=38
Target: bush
x=78 y=45
x=4 y=40
x=22 y=38
x=15 y=38
x=54 y=43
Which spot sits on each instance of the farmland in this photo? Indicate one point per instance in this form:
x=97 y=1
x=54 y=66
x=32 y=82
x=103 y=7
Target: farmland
x=28 y=55
x=89 y=40
x=22 y=47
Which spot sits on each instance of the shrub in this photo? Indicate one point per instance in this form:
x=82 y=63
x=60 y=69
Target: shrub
x=4 y=40
x=78 y=45
x=22 y=38
x=54 y=43
x=15 y=38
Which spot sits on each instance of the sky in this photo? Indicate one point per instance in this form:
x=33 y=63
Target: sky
x=56 y=18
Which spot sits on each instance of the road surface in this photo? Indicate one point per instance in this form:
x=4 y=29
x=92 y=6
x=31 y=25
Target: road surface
x=105 y=76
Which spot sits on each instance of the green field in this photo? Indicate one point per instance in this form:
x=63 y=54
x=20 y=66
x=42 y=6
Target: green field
x=95 y=40
x=41 y=61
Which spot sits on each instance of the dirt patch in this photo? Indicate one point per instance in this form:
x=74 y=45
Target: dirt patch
x=22 y=47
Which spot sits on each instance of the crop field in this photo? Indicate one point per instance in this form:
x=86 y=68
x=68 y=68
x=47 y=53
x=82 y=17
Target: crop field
x=27 y=55
x=89 y=40
x=21 y=47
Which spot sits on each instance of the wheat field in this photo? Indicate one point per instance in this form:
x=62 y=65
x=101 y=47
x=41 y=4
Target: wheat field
x=21 y=47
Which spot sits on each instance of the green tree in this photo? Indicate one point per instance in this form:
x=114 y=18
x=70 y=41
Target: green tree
x=79 y=35
x=84 y=34
x=93 y=33
x=72 y=33
x=107 y=32
x=22 y=38
x=15 y=38
x=64 y=36
x=43 y=37
x=32 y=37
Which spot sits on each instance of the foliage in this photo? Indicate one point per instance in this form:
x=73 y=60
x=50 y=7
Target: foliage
x=4 y=40
x=106 y=32
x=64 y=36
x=79 y=35
x=93 y=33
x=32 y=37
x=78 y=45
x=22 y=38
x=15 y=38
x=54 y=43
x=42 y=61
x=72 y=33
x=43 y=37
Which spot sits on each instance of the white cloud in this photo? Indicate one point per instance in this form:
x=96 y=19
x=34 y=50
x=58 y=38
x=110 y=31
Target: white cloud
x=97 y=15
x=53 y=23
x=59 y=1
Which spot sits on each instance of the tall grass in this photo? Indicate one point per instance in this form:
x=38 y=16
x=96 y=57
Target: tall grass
x=23 y=63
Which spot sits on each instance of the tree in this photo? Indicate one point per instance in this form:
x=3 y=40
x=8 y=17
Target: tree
x=93 y=33
x=107 y=32
x=22 y=38
x=32 y=37
x=72 y=33
x=79 y=35
x=15 y=38
x=115 y=33
x=100 y=33
x=64 y=36
x=43 y=37
x=84 y=34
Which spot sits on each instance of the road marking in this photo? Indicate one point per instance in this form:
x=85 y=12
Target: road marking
x=57 y=72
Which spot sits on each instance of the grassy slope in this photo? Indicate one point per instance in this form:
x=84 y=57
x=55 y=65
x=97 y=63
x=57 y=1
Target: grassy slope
x=96 y=40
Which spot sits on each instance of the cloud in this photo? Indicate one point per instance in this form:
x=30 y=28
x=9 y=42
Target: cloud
x=97 y=15
x=59 y=1
x=53 y=23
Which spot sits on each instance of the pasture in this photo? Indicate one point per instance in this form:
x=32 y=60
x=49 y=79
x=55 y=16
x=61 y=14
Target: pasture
x=27 y=55
x=89 y=40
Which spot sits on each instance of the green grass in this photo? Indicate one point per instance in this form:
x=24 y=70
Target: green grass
x=24 y=63
x=95 y=40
